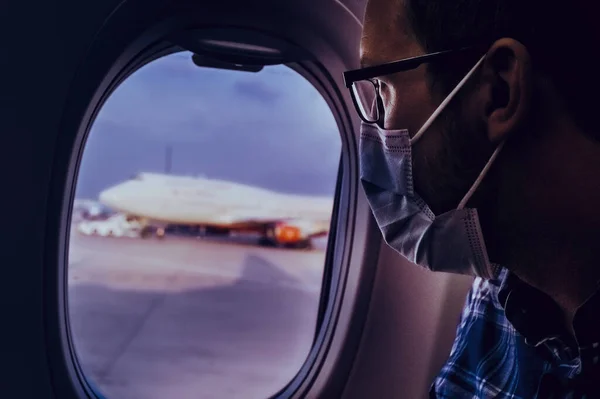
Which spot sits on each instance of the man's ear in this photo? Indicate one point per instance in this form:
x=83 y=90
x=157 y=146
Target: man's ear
x=506 y=90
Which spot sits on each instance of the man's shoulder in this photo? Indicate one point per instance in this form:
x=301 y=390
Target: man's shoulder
x=483 y=359
x=483 y=301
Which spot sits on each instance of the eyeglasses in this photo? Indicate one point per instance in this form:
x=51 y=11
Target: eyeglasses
x=364 y=87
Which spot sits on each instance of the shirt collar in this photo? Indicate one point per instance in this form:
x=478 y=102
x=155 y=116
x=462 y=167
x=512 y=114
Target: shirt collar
x=538 y=318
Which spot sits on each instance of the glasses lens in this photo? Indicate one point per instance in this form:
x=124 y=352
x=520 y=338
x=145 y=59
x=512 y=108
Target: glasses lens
x=366 y=95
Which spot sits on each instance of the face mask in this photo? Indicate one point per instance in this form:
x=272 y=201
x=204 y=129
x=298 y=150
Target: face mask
x=451 y=242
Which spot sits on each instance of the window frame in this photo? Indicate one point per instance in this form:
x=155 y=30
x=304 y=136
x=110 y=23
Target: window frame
x=63 y=356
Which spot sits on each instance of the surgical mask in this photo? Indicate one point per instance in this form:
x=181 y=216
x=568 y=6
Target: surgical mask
x=450 y=242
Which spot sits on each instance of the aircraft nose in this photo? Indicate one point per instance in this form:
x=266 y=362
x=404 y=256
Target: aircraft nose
x=108 y=197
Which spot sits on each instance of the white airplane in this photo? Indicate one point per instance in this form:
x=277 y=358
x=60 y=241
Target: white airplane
x=218 y=206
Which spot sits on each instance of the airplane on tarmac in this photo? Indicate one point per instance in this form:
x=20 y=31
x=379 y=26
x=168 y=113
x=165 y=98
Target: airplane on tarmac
x=157 y=201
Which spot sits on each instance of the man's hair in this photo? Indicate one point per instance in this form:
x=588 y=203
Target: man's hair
x=561 y=37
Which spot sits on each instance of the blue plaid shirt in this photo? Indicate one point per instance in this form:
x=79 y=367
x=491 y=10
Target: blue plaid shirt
x=511 y=343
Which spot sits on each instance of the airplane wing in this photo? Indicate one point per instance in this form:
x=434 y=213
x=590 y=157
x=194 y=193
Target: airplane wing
x=307 y=227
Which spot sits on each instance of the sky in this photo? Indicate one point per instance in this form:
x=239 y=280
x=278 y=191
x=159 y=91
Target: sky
x=271 y=129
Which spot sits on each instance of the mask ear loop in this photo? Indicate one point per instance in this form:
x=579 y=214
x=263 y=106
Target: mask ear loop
x=444 y=103
x=475 y=185
x=438 y=111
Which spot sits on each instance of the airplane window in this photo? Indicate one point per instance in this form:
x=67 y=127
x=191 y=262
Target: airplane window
x=197 y=257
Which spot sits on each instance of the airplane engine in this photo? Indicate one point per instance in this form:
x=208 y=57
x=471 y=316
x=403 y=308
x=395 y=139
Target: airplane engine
x=288 y=234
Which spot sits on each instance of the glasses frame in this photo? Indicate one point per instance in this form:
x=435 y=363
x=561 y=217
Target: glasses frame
x=371 y=72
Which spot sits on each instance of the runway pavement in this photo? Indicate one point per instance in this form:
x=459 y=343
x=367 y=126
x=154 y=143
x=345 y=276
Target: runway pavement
x=187 y=318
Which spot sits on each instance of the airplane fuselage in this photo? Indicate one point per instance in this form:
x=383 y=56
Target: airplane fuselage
x=200 y=201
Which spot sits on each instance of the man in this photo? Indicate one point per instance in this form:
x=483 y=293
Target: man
x=480 y=155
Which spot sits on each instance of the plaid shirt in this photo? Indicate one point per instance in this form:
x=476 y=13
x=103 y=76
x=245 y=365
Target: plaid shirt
x=511 y=343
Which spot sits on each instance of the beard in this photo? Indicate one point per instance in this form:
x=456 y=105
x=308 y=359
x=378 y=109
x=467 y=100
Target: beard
x=449 y=159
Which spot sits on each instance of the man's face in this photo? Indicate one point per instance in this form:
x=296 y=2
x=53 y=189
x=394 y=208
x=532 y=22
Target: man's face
x=541 y=183
x=451 y=153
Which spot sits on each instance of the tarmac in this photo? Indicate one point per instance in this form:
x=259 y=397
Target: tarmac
x=188 y=318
